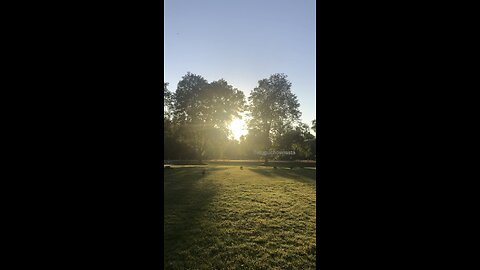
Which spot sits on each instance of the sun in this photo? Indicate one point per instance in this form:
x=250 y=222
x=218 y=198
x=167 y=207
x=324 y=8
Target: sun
x=238 y=128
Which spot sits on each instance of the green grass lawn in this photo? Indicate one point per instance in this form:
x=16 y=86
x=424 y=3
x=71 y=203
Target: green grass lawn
x=255 y=218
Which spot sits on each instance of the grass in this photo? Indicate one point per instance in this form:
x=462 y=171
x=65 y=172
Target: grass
x=305 y=163
x=255 y=218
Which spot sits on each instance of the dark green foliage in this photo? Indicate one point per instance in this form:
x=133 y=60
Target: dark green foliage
x=197 y=117
x=273 y=108
x=203 y=112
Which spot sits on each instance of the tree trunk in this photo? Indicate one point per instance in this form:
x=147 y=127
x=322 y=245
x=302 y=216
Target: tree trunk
x=267 y=142
x=202 y=145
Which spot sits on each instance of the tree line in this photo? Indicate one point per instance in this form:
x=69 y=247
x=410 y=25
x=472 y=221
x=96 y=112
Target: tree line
x=197 y=116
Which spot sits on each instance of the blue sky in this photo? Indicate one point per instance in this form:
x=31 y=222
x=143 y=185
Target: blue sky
x=243 y=41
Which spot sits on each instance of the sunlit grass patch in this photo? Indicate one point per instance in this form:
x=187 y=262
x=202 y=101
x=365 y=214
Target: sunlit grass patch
x=227 y=218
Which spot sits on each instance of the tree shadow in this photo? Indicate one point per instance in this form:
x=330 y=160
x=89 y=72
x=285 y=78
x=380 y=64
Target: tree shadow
x=187 y=197
x=298 y=174
x=194 y=167
x=268 y=172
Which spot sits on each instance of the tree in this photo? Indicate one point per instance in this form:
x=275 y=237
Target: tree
x=297 y=139
x=203 y=109
x=167 y=101
x=313 y=142
x=273 y=107
x=251 y=143
x=233 y=149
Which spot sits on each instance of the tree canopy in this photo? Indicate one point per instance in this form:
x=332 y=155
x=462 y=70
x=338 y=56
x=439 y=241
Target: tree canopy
x=273 y=108
x=204 y=110
x=198 y=114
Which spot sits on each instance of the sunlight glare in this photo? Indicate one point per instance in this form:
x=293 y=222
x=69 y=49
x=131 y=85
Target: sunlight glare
x=238 y=128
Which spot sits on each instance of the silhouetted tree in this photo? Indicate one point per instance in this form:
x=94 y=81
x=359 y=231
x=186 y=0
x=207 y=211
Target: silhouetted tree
x=167 y=101
x=169 y=140
x=198 y=114
x=232 y=150
x=297 y=139
x=272 y=107
x=313 y=143
x=205 y=110
x=251 y=143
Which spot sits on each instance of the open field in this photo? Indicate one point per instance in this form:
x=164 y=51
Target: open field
x=228 y=218
x=303 y=163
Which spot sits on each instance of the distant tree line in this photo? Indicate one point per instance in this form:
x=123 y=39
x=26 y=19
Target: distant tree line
x=197 y=116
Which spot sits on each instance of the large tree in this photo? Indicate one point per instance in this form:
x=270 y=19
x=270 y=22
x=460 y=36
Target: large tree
x=251 y=143
x=313 y=142
x=297 y=139
x=167 y=101
x=272 y=107
x=205 y=109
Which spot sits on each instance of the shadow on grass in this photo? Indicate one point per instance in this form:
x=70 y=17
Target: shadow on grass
x=187 y=197
x=302 y=175
x=175 y=174
x=185 y=166
x=261 y=163
x=185 y=191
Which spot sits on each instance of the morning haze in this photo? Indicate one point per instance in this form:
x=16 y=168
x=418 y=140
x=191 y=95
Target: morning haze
x=235 y=199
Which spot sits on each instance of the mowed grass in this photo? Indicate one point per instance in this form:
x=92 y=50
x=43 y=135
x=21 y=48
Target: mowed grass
x=255 y=218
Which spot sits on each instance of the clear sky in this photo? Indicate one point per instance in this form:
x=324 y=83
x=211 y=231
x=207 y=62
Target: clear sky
x=243 y=41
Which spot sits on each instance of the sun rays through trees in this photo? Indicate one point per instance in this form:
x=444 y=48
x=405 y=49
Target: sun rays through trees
x=214 y=120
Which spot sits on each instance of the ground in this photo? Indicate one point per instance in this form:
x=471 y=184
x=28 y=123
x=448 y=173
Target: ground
x=228 y=218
